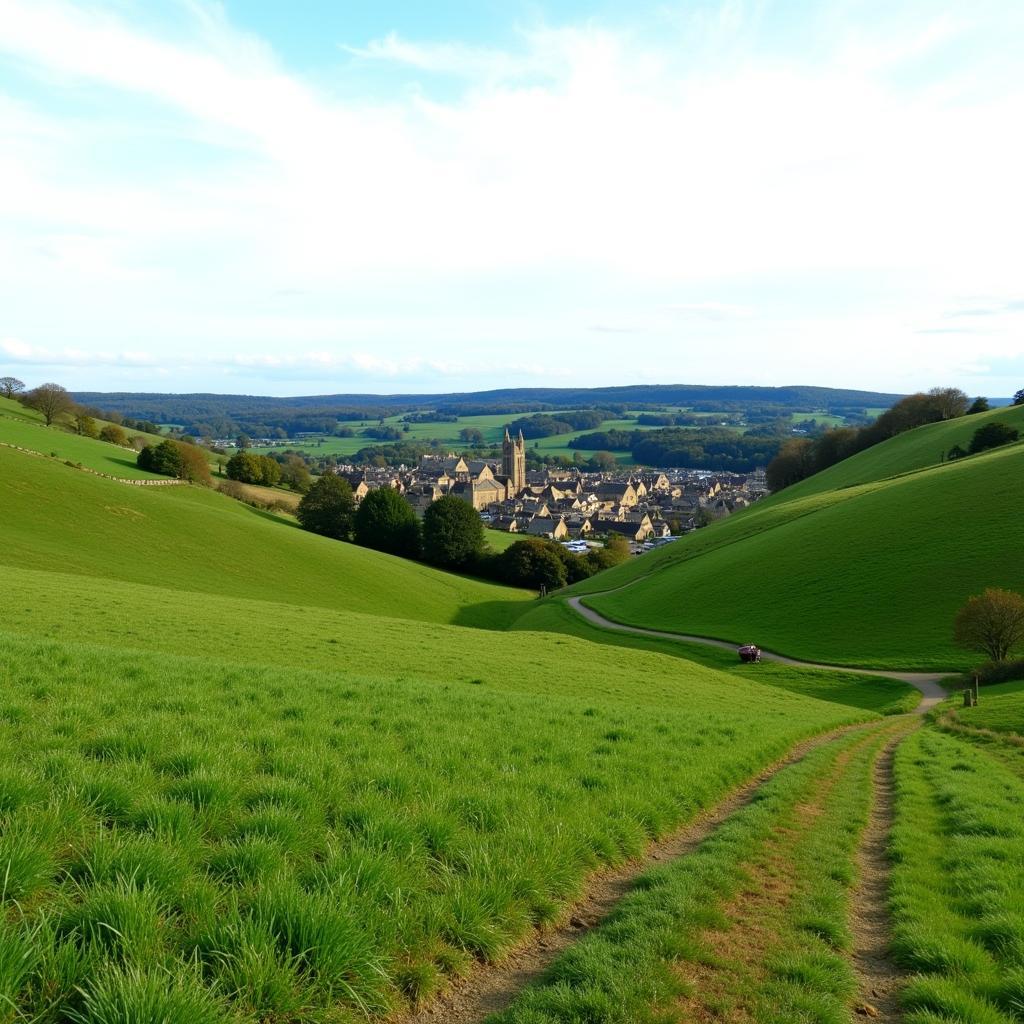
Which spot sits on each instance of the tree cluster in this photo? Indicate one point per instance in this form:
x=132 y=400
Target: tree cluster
x=800 y=458
x=991 y=623
x=249 y=468
x=177 y=459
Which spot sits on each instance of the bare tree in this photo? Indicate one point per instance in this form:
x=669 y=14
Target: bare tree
x=992 y=623
x=51 y=400
x=10 y=386
x=949 y=403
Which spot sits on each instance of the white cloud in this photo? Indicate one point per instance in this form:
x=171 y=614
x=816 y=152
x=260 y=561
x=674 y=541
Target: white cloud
x=584 y=154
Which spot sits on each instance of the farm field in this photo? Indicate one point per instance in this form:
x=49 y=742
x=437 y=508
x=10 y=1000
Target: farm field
x=195 y=540
x=777 y=573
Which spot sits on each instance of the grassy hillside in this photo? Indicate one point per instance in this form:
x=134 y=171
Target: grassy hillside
x=869 y=575
x=916 y=449
x=194 y=540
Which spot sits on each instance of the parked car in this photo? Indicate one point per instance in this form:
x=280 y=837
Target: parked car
x=749 y=653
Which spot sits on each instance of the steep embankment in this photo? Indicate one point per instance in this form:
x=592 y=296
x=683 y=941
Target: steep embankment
x=192 y=539
x=870 y=575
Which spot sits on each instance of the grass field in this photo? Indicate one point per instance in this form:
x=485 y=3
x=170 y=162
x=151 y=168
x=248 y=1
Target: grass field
x=209 y=841
x=194 y=540
x=869 y=575
x=958 y=882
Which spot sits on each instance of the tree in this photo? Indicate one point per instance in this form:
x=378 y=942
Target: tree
x=51 y=400
x=949 y=403
x=532 y=562
x=164 y=458
x=243 y=441
x=193 y=464
x=327 y=507
x=794 y=463
x=295 y=473
x=992 y=623
x=992 y=435
x=978 y=405
x=453 y=534
x=956 y=452
x=114 y=434
x=85 y=425
x=10 y=386
x=604 y=461
x=245 y=468
x=471 y=436
x=385 y=521
x=1018 y=397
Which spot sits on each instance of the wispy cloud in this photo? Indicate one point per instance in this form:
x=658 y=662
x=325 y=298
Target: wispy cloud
x=647 y=168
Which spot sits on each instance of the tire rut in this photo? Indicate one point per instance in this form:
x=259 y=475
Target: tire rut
x=490 y=988
x=879 y=978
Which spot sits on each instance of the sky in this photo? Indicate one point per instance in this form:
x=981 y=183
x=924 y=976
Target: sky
x=318 y=196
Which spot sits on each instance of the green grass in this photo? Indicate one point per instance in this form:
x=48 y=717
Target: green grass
x=186 y=839
x=1000 y=708
x=499 y=540
x=636 y=967
x=884 y=696
x=958 y=882
x=22 y=428
x=869 y=576
x=194 y=540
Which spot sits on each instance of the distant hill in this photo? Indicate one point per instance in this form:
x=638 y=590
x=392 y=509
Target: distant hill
x=166 y=407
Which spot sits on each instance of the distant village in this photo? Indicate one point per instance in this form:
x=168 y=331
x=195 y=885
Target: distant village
x=567 y=504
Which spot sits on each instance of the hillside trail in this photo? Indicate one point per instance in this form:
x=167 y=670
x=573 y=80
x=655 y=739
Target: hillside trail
x=879 y=979
x=490 y=988
x=926 y=683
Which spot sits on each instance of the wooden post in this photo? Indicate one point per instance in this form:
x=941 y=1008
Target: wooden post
x=975 y=689
x=968 y=698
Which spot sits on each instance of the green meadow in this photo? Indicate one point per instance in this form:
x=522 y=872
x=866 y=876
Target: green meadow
x=868 y=575
x=191 y=539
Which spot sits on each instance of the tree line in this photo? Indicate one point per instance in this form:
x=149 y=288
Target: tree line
x=800 y=458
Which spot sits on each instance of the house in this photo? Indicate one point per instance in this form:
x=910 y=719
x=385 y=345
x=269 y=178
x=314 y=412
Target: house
x=633 y=531
x=541 y=526
x=611 y=493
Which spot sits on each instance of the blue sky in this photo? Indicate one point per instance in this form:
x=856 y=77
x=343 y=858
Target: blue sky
x=315 y=197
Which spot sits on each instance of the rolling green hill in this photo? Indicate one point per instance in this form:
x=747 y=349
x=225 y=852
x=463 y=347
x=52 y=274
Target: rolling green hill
x=916 y=449
x=191 y=539
x=867 y=575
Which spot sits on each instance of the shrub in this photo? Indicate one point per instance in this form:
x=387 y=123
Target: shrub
x=992 y=435
x=328 y=507
x=532 y=562
x=385 y=521
x=113 y=434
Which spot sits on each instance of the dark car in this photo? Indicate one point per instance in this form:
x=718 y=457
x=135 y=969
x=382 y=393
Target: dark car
x=750 y=653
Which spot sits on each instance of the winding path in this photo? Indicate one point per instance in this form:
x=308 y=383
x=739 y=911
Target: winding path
x=928 y=683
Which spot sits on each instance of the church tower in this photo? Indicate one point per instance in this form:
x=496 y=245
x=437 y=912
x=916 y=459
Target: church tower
x=513 y=461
